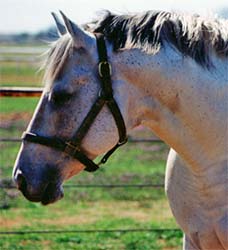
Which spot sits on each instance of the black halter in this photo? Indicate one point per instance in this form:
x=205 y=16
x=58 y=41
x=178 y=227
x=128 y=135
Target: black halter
x=105 y=97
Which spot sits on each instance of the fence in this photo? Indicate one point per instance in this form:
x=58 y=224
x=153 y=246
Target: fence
x=19 y=92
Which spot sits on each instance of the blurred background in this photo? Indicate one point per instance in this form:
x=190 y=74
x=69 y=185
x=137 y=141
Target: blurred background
x=121 y=206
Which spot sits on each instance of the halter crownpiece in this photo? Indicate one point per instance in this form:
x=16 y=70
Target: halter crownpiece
x=105 y=97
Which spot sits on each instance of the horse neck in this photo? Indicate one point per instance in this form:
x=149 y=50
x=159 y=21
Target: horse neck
x=179 y=100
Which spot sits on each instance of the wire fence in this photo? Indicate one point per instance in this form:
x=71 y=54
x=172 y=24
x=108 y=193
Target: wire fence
x=130 y=140
x=131 y=230
x=5 y=184
x=72 y=186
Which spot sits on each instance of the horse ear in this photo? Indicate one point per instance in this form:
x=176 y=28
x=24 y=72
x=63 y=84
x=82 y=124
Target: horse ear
x=61 y=28
x=80 y=37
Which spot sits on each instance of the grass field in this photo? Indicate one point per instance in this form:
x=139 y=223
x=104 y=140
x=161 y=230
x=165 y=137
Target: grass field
x=20 y=67
x=25 y=73
x=86 y=208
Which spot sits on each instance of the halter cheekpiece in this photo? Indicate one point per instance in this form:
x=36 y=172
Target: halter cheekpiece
x=105 y=97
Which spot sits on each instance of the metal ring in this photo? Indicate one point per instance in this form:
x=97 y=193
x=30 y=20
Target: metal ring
x=100 y=68
x=71 y=148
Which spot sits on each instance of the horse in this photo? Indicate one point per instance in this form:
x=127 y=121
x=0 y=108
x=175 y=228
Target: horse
x=167 y=71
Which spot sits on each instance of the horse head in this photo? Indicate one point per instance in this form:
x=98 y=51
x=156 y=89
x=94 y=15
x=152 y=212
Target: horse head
x=73 y=85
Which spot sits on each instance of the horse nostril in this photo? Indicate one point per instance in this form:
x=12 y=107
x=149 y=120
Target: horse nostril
x=21 y=182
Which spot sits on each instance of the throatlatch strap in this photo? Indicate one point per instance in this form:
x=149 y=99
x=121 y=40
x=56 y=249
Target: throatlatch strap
x=88 y=120
x=105 y=97
x=107 y=92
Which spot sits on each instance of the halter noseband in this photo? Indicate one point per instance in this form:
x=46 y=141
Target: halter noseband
x=105 y=97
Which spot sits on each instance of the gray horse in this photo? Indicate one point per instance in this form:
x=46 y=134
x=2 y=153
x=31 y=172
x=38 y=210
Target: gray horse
x=169 y=73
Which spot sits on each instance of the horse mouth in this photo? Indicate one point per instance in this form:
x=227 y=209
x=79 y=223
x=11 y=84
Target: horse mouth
x=52 y=193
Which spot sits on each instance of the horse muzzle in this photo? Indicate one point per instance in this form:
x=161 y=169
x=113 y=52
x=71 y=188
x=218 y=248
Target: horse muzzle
x=36 y=191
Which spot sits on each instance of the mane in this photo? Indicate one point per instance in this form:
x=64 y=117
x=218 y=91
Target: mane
x=55 y=58
x=193 y=36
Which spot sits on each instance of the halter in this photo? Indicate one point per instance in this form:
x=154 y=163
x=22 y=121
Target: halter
x=105 y=97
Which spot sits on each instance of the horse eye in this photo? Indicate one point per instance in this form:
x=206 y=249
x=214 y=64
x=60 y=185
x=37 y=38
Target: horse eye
x=60 y=98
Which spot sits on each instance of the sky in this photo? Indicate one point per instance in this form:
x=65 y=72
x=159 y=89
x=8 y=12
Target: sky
x=34 y=15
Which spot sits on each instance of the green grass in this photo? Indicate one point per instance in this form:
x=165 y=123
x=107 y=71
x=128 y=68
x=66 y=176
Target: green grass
x=85 y=208
x=18 y=105
x=93 y=208
x=105 y=241
x=20 y=68
x=19 y=73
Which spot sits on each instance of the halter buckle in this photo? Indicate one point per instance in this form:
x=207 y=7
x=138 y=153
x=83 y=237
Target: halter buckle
x=104 y=69
x=70 y=148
